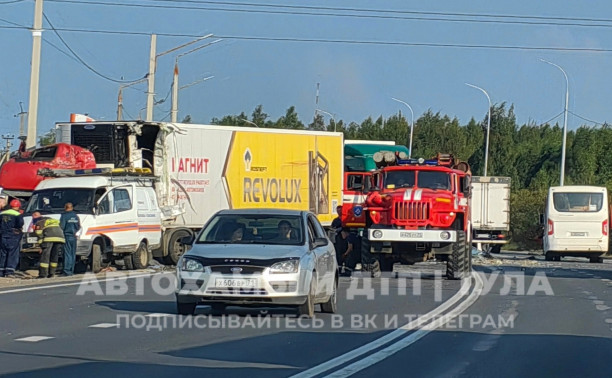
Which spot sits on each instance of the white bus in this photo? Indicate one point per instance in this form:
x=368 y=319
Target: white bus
x=576 y=222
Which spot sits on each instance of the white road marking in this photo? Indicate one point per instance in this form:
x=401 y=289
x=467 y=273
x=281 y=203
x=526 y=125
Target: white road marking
x=83 y=282
x=609 y=320
x=104 y=325
x=413 y=337
x=34 y=339
x=598 y=302
x=337 y=361
x=602 y=307
x=158 y=315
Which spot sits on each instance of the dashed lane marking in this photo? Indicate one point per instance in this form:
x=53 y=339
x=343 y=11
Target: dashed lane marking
x=104 y=325
x=35 y=339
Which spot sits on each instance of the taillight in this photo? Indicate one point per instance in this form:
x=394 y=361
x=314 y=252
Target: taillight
x=604 y=227
x=551 y=227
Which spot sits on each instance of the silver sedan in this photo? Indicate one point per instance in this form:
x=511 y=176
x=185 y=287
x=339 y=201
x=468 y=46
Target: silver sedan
x=259 y=257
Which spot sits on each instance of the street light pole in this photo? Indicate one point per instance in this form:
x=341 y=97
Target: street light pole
x=561 y=179
x=329 y=114
x=411 y=124
x=488 y=126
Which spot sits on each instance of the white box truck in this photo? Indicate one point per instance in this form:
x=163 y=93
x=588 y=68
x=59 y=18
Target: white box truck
x=200 y=169
x=490 y=212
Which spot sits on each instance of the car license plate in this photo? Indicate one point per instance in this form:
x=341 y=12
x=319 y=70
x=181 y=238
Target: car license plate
x=236 y=282
x=578 y=233
x=32 y=240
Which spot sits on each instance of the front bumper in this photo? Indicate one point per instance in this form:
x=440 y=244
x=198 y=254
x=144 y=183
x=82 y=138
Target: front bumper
x=400 y=235
x=242 y=289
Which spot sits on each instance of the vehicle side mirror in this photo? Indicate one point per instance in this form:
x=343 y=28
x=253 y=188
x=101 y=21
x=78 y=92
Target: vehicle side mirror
x=541 y=218
x=320 y=242
x=95 y=210
x=187 y=240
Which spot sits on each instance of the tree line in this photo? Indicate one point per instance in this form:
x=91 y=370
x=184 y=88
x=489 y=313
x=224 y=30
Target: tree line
x=530 y=153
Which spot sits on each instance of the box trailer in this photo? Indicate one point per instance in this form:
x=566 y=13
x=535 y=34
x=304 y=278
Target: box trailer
x=490 y=212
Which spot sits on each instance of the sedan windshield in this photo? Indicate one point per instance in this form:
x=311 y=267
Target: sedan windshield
x=253 y=229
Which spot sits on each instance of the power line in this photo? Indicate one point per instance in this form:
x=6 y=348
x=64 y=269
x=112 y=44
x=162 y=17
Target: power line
x=11 y=2
x=81 y=60
x=339 y=41
x=585 y=119
x=497 y=19
x=544 y=123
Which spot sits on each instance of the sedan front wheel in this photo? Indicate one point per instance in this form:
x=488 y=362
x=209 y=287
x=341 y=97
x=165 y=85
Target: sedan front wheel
x=307 y=309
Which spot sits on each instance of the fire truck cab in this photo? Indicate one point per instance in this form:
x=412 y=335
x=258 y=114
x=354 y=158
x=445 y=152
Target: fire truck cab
x=418 y=209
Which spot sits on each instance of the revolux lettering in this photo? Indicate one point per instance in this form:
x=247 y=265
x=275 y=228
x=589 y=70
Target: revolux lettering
x=271 y=190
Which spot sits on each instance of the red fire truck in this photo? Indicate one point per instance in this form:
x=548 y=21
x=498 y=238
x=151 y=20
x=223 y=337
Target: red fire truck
x=417 y=209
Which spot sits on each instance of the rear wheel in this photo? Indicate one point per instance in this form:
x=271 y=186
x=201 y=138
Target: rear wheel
x=140 y=258
x=331 y=305
x=496 y=248
x=175 y=248
x=595 y=259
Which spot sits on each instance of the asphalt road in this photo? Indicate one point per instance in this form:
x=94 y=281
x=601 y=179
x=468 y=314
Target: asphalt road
x=518 y=316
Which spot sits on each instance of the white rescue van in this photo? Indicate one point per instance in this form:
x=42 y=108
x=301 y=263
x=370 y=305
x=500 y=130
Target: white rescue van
x=120 y=217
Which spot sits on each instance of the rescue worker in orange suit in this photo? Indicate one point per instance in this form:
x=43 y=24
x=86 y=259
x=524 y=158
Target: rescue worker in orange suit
x=11 y=225
x=51 y=237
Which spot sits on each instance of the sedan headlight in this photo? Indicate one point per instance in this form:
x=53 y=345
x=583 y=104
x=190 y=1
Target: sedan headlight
x=289 y=266
x=190 y=265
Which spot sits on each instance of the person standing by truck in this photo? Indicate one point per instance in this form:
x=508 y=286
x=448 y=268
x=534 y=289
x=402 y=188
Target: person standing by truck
x=70 y=224
x=52 y=240
x=11 y=224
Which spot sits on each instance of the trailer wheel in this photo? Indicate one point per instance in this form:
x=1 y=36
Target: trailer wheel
x=457 y=266
x=175 y=247
x=140 y=258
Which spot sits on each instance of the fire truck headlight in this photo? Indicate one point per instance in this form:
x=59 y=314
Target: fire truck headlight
x=377 y=234
x=445 y=235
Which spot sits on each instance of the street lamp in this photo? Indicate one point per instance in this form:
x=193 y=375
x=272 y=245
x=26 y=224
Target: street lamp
x=329 y=114
x=488 y=126
x=411 y=123
x=561 y=179
x=249 y=122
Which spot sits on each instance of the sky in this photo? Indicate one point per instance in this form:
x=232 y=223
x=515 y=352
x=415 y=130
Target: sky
x=273 y=53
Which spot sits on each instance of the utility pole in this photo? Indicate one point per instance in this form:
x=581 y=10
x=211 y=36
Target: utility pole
x=35 y=74
x=151 y=77
x=175 y=89
x=7 y=151
x=21 y=116
x=120 y=105
x=316 y=101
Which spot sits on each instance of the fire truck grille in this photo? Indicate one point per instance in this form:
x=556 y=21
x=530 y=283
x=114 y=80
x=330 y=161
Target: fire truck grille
x=411 y=211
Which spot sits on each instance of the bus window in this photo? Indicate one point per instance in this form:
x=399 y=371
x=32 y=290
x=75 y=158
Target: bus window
x=578 y=202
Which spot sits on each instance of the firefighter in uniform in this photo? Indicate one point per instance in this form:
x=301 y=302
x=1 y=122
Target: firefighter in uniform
x=51 y=237
x=11 y=225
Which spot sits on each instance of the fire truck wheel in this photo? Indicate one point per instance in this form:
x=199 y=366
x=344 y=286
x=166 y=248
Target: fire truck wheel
x=386 y=264
x=457 y=266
